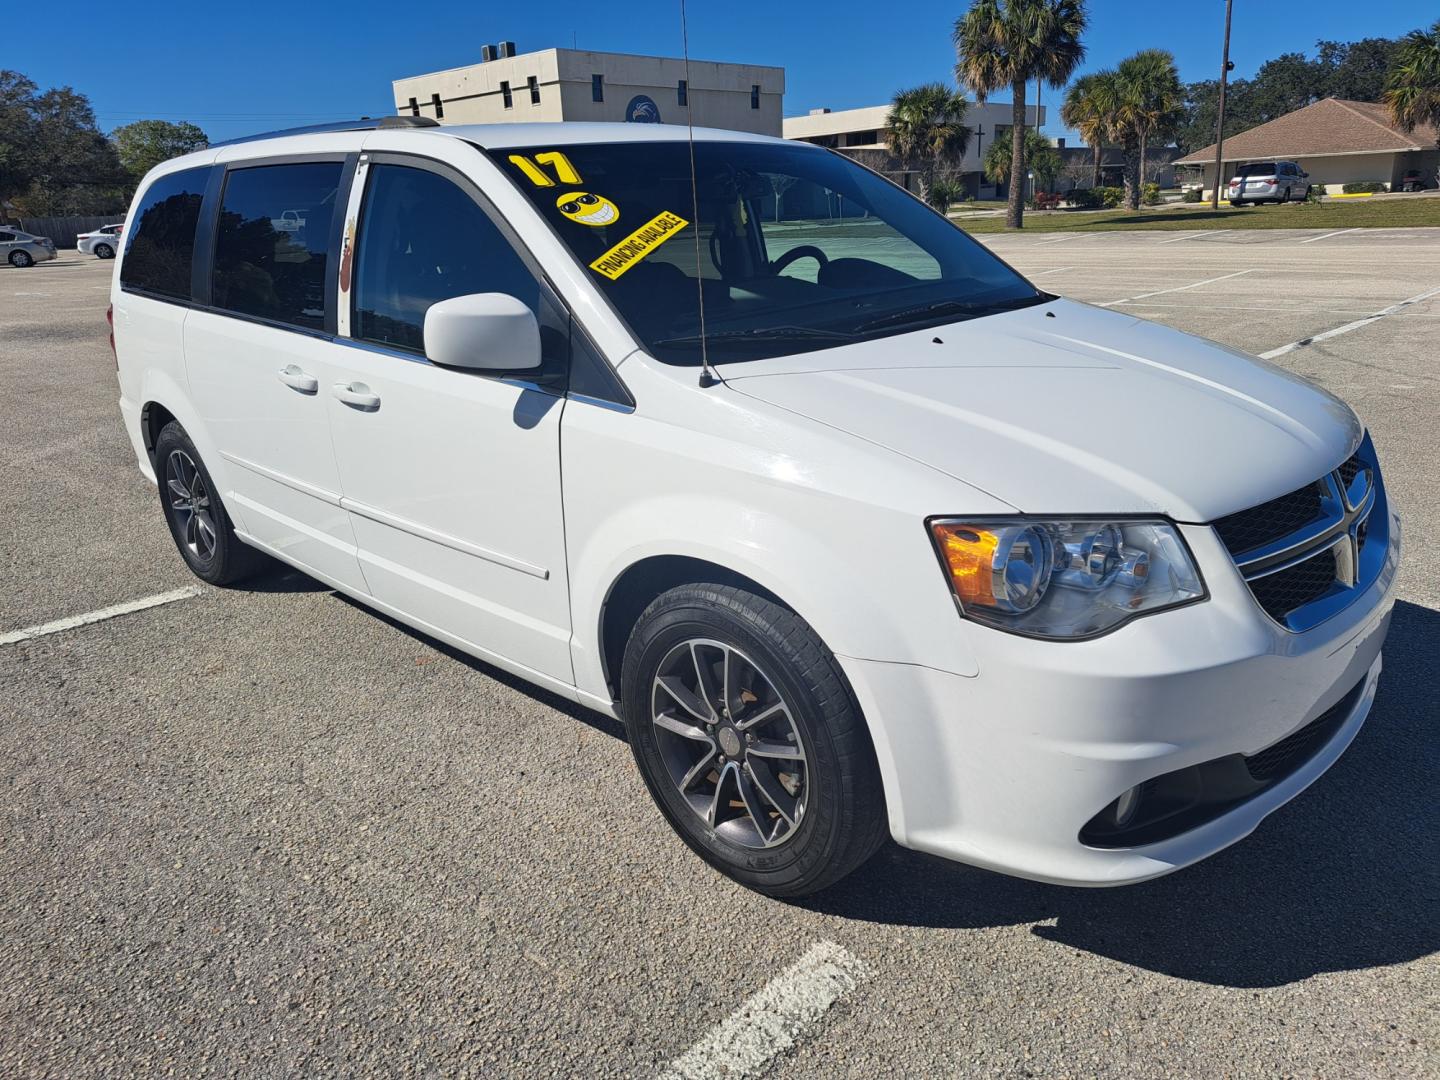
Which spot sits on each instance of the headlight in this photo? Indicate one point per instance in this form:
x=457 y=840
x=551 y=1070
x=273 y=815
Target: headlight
x=1064 y=579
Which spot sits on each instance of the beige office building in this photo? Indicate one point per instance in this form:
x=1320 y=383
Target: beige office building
x=575 y=84
x=861 y=133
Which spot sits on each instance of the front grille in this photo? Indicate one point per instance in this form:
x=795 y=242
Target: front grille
x=1349 y=469
x=1270 y=521
x=1305 y=554
x=1285 y=590
x=1281 y=759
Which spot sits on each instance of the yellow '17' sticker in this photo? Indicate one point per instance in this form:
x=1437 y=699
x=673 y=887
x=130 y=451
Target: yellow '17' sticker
x=638 y=244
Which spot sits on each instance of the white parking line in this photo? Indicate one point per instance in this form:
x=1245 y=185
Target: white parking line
x=1327 y=235
x=1178 y=288
x=1190 y=236
x=1057 y=270
x=1328 y=334
x=770 y=1021
x=1062 y=239
x=31 y=632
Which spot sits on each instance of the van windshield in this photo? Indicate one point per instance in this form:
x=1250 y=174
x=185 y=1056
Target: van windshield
x=793 y=248
x=1263 y=168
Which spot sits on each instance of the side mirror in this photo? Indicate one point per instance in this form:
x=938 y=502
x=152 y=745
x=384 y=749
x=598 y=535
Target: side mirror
x=483 y=331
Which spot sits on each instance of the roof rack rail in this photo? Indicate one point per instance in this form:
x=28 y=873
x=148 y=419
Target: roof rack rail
x=365 y=123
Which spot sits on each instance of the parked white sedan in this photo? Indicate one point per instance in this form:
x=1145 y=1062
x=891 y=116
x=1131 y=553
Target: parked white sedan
x=102 y=243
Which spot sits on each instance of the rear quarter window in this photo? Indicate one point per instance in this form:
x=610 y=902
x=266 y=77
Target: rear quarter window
x=161 y=246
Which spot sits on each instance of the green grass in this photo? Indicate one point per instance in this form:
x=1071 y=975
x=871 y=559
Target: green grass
x=1359 y=214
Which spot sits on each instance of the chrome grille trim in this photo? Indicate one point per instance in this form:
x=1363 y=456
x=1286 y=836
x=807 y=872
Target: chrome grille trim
x=1348 y=532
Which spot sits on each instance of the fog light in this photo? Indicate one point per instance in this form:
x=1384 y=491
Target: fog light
x=1126 y=805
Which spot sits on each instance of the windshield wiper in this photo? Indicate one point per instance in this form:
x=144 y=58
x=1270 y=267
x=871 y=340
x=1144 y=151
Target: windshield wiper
x=968 y=308
x=761 y=334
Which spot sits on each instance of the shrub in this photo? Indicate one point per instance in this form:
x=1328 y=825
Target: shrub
x=1085 y=198
x=1150 y=194
x=1368 y=187
x=944 y=192
x=1315 y=194
x=1046 y=200
x=1193 y=194
x=1111 y=197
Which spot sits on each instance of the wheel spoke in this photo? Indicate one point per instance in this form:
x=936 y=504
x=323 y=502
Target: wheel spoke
x=206 y=534
x=179 y=491
x=705 y=680
x=698 y=770
x=685 y=699
x=679 y=727
x=774 y=793
x=718 y=800
x=763 y=715
x=753 y=805
x=771 y=748
x=192 y=529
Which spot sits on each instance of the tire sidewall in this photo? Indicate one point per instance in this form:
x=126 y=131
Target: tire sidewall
x=21 y=259
x=815 y=841
x=104 y=251
x=217 y=569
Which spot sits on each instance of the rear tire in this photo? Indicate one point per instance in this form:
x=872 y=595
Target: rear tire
x=21 y=259
x=750 y=740
x=104 y=251
x=199 y=524
x=1237 y=202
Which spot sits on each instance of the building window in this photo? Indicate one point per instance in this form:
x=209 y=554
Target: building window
x=439 y=108
x=682 y=93
x=755 y=96
x=597 y=87
x=505 y=95
x=414 y=107
x=534 y=83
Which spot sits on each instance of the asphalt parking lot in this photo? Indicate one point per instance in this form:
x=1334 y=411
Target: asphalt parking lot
x=265 y=832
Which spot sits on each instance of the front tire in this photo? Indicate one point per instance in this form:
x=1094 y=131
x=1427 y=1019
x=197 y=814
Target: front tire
x=750 y=740
x=21 y=259
x=1237 y=202
x=104 y=251
x=199 y=524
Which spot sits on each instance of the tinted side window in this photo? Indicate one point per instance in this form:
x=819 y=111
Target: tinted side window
x=422 y=240
x=5 y=237
x=272 y=246
x=160 y=247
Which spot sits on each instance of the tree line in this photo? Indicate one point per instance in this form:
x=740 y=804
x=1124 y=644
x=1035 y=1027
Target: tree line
x=1137 y=104
x=55 y=160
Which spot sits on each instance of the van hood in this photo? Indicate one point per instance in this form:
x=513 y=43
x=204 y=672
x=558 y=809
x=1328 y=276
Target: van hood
x=1065 y=408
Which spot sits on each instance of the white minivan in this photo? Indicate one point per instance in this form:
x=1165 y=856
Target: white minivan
x=858 y=531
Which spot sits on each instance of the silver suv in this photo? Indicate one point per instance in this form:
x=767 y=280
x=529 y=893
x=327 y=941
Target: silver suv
x=21 y=249
x=1268 y=181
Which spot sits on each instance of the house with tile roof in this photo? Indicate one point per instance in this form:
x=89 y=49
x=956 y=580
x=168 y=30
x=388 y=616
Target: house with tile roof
x=1337 y=142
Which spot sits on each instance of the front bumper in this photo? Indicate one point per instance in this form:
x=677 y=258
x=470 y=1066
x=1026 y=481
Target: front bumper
x=1004 y=769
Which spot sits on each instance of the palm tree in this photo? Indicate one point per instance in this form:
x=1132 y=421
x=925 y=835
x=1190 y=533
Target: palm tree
x=927 y=129
x=1039 y=157
x=1412 y=88
x=1152 y=84
x=1082 y=111
x=1005 y=43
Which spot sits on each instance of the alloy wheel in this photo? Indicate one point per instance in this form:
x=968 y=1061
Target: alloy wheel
x=191 y=504
x=730 y=743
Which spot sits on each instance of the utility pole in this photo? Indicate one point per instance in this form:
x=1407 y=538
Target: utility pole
x=1225 y=67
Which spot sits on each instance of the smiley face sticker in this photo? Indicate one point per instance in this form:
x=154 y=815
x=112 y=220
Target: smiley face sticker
x=588 y=209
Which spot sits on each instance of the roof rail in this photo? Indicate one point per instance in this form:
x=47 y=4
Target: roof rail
x=365 y=123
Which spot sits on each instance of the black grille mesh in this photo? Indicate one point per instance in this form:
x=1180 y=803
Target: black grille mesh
x=1247 y=530
x=1285 y=590
x=1350 y=469
x=1287 y=755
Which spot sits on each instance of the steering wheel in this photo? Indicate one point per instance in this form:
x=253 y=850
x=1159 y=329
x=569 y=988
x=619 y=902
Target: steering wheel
x=804 y=251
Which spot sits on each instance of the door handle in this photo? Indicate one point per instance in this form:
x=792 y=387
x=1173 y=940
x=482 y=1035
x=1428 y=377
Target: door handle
x=293 y=377
x=358 y=395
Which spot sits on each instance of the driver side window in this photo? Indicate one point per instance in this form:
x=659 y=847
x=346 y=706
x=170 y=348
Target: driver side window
x=422 y=240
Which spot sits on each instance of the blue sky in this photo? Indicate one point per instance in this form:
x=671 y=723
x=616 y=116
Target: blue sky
x=255 y=65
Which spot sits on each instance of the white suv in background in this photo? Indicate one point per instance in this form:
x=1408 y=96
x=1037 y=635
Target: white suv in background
x=102 y=243
x=1268 y=181
x=858 y=531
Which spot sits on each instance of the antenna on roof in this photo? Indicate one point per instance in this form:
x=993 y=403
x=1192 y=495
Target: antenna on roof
x=707 y=373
